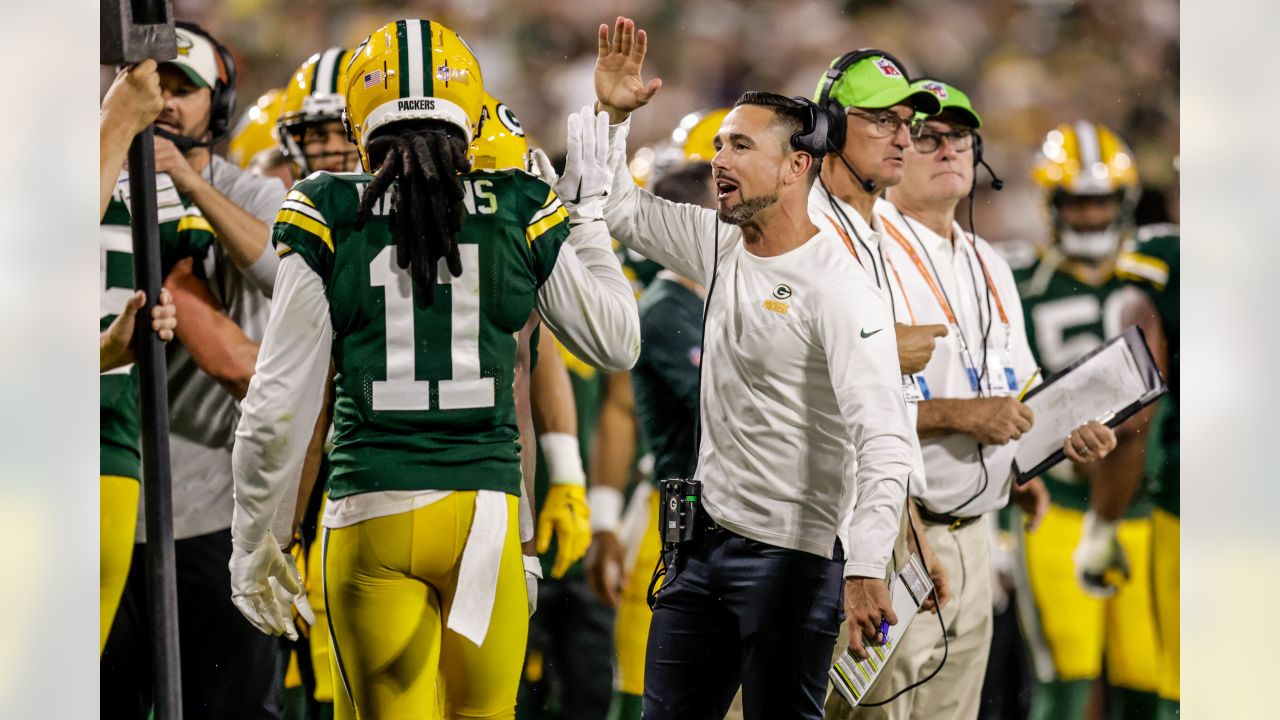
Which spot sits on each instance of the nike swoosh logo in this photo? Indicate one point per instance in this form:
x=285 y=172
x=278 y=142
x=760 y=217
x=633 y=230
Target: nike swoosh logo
x=866 y=334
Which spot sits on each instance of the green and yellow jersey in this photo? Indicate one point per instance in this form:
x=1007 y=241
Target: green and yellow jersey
x=1154 y=267
x=1067 y=318
x=423 y=395
x=183 y=233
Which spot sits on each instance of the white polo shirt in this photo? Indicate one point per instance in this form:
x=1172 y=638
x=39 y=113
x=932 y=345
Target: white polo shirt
x=917 y=261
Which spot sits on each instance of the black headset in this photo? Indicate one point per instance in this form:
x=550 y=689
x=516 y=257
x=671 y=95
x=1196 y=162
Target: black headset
x=814 y=136
x=223 y=93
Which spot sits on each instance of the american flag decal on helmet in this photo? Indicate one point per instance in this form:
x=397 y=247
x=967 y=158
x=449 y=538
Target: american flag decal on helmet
x=373 y=78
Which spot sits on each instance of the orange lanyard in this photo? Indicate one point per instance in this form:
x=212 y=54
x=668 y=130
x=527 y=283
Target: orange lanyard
x=844 y=236
x=924 y=272
x=905 y=298
x=991 y=284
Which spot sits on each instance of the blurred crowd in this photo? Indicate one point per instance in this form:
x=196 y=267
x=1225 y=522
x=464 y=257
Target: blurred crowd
x=1028 y=65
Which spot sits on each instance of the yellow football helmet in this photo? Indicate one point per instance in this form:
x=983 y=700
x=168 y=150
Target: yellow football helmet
x=314 y=95
x=412 y=70
x=256 y=129
x=696 y=133
x=1086 y=159
x=501 y=144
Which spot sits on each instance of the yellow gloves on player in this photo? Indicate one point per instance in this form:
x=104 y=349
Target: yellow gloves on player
x=1101 y=565
x=564 y=513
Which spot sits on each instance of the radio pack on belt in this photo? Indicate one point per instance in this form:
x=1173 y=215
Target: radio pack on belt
x=681 y=507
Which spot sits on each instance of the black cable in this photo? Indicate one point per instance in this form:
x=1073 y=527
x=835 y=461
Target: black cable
x=848 y=225
x=986 y=474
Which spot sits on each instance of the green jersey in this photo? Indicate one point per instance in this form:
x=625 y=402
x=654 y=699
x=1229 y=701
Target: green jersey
x=1154 y=267
x=183 y=233
x=1066 y=319
x=423 y=395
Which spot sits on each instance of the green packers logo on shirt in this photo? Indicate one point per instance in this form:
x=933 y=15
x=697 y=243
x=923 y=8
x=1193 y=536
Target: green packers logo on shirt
x=782 y=292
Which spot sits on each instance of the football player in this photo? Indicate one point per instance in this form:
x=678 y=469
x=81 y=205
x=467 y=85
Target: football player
x=310 y=125
x=1072 y=295
x=1153 y=270
x=255 y=131
x=564 y=399
x=421 y=282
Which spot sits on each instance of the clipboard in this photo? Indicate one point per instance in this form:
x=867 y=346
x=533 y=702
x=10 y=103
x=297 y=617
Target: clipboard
x=1110 y=384
x=852 y=678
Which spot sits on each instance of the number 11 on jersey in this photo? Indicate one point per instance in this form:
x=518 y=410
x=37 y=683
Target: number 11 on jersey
x=402 y=390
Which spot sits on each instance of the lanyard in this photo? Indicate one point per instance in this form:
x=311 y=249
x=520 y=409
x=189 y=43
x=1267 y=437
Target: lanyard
x=924 y=272
x=844 y=236
x=906 y=298
x=991 y=284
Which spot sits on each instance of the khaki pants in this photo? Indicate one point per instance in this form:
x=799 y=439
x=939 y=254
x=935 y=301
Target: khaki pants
x=955 y=692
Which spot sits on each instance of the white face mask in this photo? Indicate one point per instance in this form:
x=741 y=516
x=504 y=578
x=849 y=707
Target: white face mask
x=1089 y=246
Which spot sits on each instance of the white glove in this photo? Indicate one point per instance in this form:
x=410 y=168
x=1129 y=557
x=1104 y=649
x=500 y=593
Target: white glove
x=1101 y=565
x=264 y=583
x=532 y=574
x=587 y=172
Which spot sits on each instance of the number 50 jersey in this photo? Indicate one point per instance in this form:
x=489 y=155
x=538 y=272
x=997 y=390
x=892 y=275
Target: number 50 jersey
x=424 y=395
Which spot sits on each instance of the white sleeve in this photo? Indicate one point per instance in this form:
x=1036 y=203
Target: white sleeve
x=588 y=303
x=262 y=273
x=279 y=412
x=677 y=236
x=862 y=353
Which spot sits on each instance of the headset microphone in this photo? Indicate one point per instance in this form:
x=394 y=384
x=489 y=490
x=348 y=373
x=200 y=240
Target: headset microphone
x=868 y=185
x=996 y=182
x=182 y=142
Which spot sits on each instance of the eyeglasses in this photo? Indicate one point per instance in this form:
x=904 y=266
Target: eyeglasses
x=886 y=122
x=928 y=142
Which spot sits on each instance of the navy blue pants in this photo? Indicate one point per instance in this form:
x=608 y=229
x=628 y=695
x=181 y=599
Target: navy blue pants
x=742 y=612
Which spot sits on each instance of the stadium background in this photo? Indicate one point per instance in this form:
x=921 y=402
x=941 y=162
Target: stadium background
x=1027 y=64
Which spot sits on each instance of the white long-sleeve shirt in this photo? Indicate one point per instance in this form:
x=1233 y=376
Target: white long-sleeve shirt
x=799 y=363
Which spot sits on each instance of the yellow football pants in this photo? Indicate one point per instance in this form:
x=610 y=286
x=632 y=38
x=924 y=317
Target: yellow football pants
x=1077 y=630
x=631 y=629
x=389 y=583
x=1167 y=554
x=117 y=518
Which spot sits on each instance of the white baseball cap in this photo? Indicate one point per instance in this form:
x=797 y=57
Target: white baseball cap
x=197 y=58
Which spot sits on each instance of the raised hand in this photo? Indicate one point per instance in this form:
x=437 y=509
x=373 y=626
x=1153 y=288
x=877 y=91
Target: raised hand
x=619 y=87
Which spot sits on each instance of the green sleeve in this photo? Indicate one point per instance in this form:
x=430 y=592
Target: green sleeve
x=547 y=224
x=302 y=225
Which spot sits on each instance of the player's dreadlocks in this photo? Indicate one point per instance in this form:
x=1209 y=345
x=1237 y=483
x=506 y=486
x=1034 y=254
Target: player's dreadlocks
x=421 y=163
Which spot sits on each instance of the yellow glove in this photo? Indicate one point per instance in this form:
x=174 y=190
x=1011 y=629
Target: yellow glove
x=565 y=512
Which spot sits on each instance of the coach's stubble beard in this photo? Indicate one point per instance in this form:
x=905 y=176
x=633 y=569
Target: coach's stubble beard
x=743 y=212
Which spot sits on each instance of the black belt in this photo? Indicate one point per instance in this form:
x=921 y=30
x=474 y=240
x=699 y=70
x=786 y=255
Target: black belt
x=952 y=522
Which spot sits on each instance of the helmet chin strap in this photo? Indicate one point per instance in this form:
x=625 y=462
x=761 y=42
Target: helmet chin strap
x=1089 y=246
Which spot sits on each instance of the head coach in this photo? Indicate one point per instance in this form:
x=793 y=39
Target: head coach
x=799 y=363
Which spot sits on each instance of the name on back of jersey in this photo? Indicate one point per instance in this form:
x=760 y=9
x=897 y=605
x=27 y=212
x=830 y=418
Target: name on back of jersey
x=478 y=197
